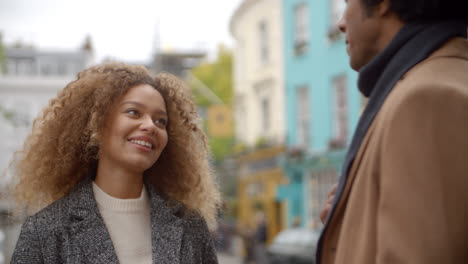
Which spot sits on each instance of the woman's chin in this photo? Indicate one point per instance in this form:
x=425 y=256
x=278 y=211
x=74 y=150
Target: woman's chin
x=139 y=167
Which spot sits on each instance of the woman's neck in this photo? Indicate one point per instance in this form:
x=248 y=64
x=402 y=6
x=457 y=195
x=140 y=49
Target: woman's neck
x=119 y=183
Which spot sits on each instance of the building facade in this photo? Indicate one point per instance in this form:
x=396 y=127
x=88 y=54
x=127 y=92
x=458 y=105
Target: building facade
x=322 y=104
x=259 y=108
x=259 y=102
x=31 y=62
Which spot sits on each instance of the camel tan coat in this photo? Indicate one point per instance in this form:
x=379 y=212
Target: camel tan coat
x=406 y=197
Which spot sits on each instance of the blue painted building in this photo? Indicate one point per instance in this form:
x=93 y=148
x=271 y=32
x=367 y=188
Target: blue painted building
x=323 y=105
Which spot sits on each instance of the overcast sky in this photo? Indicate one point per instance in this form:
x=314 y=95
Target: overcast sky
x=121 y=29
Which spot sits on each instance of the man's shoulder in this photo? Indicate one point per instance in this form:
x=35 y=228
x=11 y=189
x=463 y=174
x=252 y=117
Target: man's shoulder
x=450 y=59
x=444 y=71
x=434 y=82
x=454 y=48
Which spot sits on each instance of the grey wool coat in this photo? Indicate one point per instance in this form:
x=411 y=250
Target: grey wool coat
x=71 y=230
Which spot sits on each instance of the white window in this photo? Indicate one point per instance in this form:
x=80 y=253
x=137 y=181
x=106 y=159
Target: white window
x=11 y=67
x=320 y=182
x=241 y=120
x=303 y=116
x=263 y=41
x=265 y=110
x=340 y=105
x=239 y=69
x=24 y=67
x=301 y=28
x=263 y=91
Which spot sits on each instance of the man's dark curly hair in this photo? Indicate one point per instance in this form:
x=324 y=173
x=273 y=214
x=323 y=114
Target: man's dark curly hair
x=424 y=10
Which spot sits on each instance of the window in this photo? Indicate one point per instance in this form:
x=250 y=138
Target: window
x=46 y=69
x=301 y=28
x=241 y=120
x=303 y=116
x=239 y=60
x=340 y=118
x=11 y=67
x=24 y=67
x=263 y=91
x=263 y=34
x=61 y=68
x=320 y=182
x=265 y=110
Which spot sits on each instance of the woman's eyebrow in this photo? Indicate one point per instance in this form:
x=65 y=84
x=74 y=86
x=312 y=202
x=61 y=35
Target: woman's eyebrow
x=131 y=102
x=157 y=111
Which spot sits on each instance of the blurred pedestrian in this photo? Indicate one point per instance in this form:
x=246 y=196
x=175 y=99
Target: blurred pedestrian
x=402 y=197
x=296 y=222
x=120 y=164
x=247 y=234
x=260 y=239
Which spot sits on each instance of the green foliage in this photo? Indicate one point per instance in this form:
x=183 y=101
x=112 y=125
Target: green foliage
x=221 y=147
x=239 y=148
x=262 y=142
x=216 y=76
x=2 y=56
x=11 y=117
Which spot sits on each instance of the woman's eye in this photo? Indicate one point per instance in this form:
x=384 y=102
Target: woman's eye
x=132 y=112
x=161 y=121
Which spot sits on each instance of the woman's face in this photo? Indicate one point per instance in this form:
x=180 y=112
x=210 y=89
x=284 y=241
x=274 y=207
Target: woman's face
x=135 y=131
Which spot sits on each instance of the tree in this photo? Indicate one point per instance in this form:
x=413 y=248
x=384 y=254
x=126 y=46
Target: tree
x=212 y=84
x=216 y=76
x=3 y=68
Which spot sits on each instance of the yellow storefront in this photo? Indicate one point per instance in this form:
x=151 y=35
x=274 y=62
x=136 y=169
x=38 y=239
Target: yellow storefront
x=259 y=176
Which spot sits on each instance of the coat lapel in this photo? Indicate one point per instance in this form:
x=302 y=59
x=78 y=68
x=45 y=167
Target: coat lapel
x=89 y=240
x=166 y=230
x=342 y=198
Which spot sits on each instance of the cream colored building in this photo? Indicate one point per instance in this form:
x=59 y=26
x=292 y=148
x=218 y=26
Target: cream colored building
x=259 y=99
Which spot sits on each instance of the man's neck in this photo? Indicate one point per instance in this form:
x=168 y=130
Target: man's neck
x=392 y=26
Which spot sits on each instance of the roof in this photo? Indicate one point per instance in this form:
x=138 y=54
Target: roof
x=244 y=6
x=30 y=53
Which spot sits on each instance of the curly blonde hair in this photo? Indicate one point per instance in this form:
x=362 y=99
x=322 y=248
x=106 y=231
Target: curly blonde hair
x=62 y=148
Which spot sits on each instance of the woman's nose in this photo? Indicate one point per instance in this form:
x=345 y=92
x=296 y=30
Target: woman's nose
x=148 y=125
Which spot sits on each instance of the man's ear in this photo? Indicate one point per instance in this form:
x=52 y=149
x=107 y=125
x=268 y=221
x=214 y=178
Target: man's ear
x=383 y=8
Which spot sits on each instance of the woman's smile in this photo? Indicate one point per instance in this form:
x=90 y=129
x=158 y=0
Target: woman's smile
x=142 y=143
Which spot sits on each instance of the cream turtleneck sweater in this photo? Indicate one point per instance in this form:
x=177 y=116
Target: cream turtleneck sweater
x=128 y=223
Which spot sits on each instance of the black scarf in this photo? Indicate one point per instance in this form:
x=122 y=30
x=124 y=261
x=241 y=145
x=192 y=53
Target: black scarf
x=413 y=44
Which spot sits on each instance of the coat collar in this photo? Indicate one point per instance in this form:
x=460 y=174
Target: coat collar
x=166 y=228
x=90 y=239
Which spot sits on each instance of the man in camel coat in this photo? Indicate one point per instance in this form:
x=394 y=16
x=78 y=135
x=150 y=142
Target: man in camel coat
x=403 y=193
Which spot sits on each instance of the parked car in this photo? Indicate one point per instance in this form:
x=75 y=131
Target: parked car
x=293 y=246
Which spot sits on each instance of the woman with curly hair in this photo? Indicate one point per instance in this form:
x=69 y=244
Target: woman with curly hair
x=121 y=166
